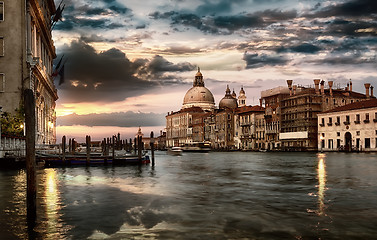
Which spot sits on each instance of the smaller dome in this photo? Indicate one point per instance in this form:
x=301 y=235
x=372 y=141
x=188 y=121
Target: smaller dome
x=228 y=101
x=234 y=94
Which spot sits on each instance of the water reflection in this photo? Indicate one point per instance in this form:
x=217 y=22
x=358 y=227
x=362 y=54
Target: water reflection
x=321 y=170
x=52 y=199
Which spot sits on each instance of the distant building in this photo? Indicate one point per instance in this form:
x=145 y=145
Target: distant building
x=26 y=54
x=250 y=119
x=187 y=125
x=272 y=99
x=352 y=127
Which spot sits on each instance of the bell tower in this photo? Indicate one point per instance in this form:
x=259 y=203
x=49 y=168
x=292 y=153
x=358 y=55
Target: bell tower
x=242 y=98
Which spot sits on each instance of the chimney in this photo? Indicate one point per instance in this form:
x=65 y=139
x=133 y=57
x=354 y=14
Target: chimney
x=371 y=91
x=289 y=82
x=350 y=85
x=260 y=102
x=367 y=85
x=322 y=87
x=294 y=89
x=330 y=87
x=316 y=83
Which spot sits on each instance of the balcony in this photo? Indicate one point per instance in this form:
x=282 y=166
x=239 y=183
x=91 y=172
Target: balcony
x=366 y=121
x=322 y=124
x=346 y=123
x=329 y=124
x=375 y=120
x=357 y=122
x=337 y=123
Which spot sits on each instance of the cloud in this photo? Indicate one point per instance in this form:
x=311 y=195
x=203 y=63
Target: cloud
x=224 y=25
x=354 y=8
x=301 y=48
x=111 y=76
x=78 y=14
x=118 y=119
x=260 y=60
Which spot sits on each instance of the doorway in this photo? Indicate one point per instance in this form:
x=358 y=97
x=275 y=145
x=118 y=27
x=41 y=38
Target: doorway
x=348 y=142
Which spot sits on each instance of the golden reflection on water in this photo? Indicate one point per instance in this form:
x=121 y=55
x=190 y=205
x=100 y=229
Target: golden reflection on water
x=321 y=171
x=52 y=198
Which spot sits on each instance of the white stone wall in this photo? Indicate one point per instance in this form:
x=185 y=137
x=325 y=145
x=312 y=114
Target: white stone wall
x=336 y=132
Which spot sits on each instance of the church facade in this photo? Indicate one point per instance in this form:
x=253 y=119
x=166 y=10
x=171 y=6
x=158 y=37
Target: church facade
x=199 y=121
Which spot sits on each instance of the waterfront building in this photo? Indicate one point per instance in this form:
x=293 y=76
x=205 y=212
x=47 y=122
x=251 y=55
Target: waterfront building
x=352 y=127
x=186 y=126
x=26 y=54
x=299 y=124
x=272 y=99
x=250 y=120
x=224 y=131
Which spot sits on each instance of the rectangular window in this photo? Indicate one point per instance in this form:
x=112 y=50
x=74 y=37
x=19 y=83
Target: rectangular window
x=366 y=118
x=2 y=82
x=338 y=143
x=367 y=142
x=337 y=121
x=1 y=46
x=1 y=11
x=347 y=118
x=330 y=146
x=322 y=122
x=357 y=118
x=338 y=134
x=375 y=146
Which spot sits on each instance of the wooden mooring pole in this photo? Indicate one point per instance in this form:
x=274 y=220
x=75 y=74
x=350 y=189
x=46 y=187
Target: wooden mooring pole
x=63 y=149
x=113 y=143
x=88 y=140
x=152 y=147
x=31 y=197
x=139 y=147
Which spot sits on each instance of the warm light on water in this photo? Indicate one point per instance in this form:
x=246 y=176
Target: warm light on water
x=321 y=183
x=201 y=196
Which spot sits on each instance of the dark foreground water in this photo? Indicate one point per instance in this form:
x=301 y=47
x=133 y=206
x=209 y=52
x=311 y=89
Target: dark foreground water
x=201 y=196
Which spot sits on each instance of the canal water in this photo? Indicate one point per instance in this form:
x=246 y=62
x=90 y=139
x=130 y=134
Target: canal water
x=229 y=195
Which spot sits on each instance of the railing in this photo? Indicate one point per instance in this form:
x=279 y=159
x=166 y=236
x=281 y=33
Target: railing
x=12 y=147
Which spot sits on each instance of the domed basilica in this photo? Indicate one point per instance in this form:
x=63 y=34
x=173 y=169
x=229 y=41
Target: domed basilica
x=199 y=95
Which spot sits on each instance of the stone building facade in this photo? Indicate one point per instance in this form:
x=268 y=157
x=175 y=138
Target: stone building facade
x=352 y=127
x=26 y=54
x=251 y=122
x=298 y=127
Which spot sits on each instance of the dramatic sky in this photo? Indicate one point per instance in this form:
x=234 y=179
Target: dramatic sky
x=129 y=62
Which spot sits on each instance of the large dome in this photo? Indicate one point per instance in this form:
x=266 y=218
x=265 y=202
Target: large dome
x=198 y=95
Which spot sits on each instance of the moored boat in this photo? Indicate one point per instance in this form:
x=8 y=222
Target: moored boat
x=196 y=147
x=79 y=160
x=175 y=151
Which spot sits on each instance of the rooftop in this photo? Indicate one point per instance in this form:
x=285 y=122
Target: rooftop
x=354 y=106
